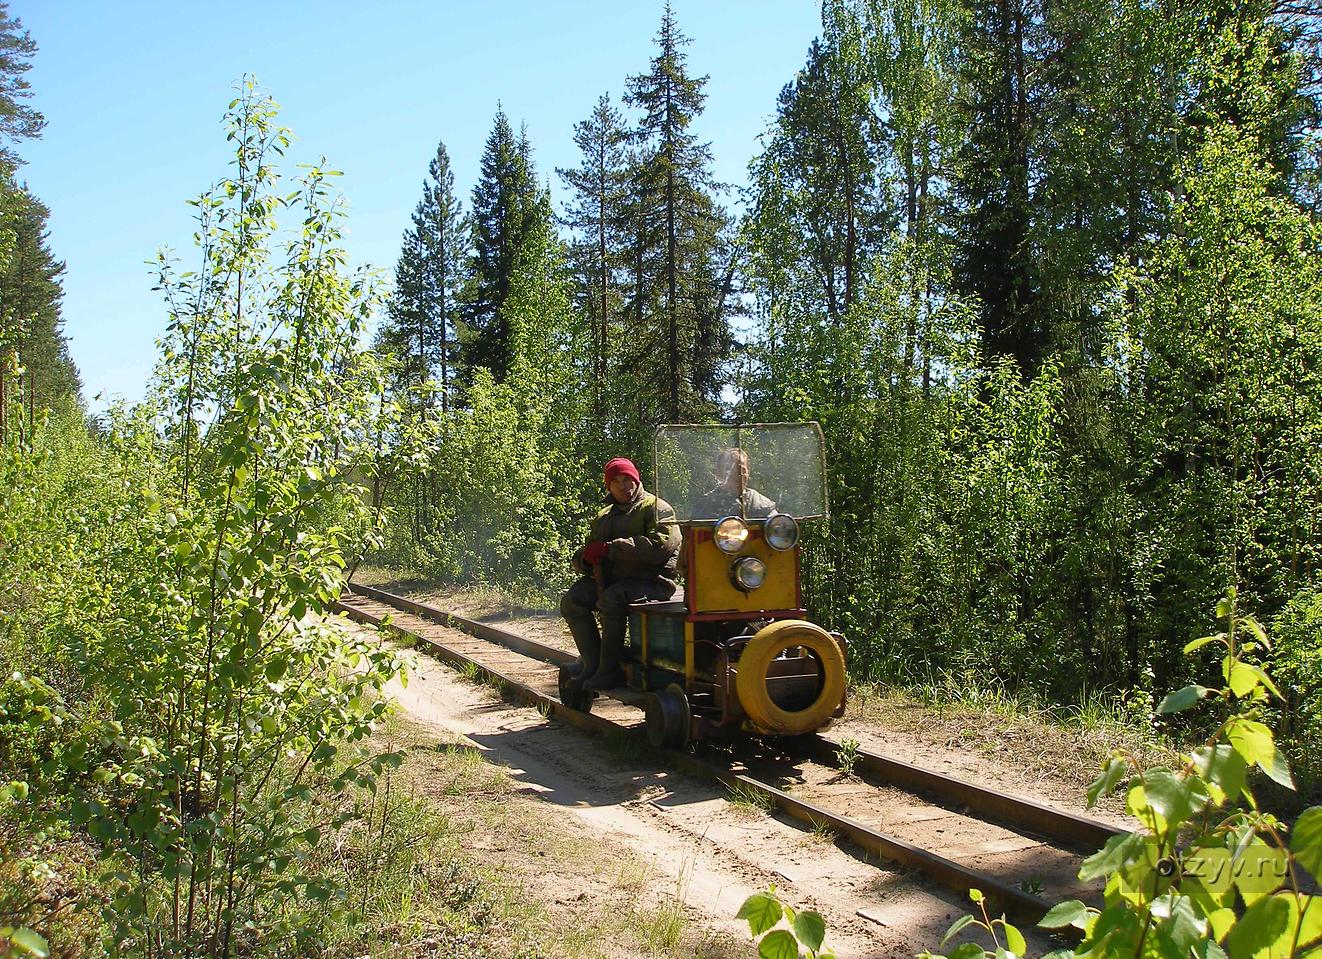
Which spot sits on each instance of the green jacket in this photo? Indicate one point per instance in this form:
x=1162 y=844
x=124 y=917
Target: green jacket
x=643 y=535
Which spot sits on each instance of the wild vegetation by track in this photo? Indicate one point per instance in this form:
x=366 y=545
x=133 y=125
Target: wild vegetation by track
x=1069 y=373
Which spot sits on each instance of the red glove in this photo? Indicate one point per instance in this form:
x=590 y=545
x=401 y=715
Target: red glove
x=594 y=553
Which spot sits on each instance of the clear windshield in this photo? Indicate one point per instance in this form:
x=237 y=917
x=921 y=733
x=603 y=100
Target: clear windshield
x=707 y=472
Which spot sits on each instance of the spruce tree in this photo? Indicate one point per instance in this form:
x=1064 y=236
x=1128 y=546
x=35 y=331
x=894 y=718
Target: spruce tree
x=31 y=333
x=599 y=253
x=505 y=206
x=18 y=120
x=996 y=261
x=681 y=243
x=420 y=331
x=30 y=292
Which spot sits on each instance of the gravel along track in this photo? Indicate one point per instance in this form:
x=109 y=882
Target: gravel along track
x=720 y=852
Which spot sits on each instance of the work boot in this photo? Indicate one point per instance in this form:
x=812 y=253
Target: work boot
x=609 y=674
x=588 y=641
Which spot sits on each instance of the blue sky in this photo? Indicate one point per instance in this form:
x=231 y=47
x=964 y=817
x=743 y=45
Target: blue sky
x=133 y=95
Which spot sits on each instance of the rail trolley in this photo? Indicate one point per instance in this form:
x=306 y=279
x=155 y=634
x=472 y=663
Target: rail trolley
x=733 y=651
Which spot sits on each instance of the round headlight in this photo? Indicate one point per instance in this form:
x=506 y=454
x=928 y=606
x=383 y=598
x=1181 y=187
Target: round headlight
x=731 y=534
x=782 y=531
x=749 y=573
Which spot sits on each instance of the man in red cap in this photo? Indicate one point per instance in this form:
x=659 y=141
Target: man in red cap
x=631 y=554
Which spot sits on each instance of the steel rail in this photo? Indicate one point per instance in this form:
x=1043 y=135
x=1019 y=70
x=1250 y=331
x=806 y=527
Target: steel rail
x=1018 y=813
x=1021 y=815
x=1002 y=895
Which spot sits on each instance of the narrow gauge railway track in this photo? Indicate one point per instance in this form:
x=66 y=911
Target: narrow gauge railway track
x=960 y=835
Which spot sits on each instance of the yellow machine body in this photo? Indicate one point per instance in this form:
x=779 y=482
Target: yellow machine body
x=720 y=658
x=711 y=588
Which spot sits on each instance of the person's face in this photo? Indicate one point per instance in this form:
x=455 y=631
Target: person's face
x=737 y=478
x=623 y=487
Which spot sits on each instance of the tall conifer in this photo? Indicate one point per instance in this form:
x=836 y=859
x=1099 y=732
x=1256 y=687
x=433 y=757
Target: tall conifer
x=596 y=214
x=18 y=120
x=506 y=205
x=30 y=325
x=35 y=367
x=996 y=170
x=420 y=332
x=680 y=232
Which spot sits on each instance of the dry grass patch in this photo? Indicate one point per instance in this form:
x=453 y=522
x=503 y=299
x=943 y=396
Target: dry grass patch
x=512 y=876
x=1066 y=745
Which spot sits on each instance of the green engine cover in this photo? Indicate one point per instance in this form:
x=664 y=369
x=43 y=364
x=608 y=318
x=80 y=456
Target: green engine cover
x=665 y=636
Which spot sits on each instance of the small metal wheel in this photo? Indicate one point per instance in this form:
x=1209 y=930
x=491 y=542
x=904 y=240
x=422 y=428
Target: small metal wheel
x=668 y=718
x=571 y=692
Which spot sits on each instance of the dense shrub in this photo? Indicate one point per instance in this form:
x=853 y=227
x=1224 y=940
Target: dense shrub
x=170 y=579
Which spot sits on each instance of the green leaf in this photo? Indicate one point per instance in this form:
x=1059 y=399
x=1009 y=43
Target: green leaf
x=1262 y=924
x=1203 y=641
x=1309 y=910
x=1241 y=678
x=967 y=950
x=1251 y=739
x=1254 y=741
x=1183 y=926
x=976 y=895
x=956 y=927
x=1221 y=921
x=810 y=928
x=1071 y=913
x=1014 y=939
x=29 y=942
x=1118 y=851
x=1182 y=699
x=1223 y=768
x=1266 y=681
x=778 y=944
x=1174 y=797
x=1306 y=842
x=1260 y=870
x=1208 y=950
x=1105 y=784
x=1117 y=921
x=1252 y=626
x=1211 y=866
x=762 y=912
x=1278 y=770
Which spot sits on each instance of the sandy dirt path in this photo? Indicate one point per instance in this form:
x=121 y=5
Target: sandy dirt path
x=709 y=852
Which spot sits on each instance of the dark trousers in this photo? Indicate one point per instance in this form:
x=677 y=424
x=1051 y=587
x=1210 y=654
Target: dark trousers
x=604 y=648
x=582 y=598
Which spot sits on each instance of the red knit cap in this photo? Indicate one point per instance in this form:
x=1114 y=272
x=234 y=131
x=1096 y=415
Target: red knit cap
x=621 y=467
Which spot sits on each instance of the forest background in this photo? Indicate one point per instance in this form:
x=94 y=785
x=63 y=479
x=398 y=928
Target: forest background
x=1058 y=320
x=1047 y=275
